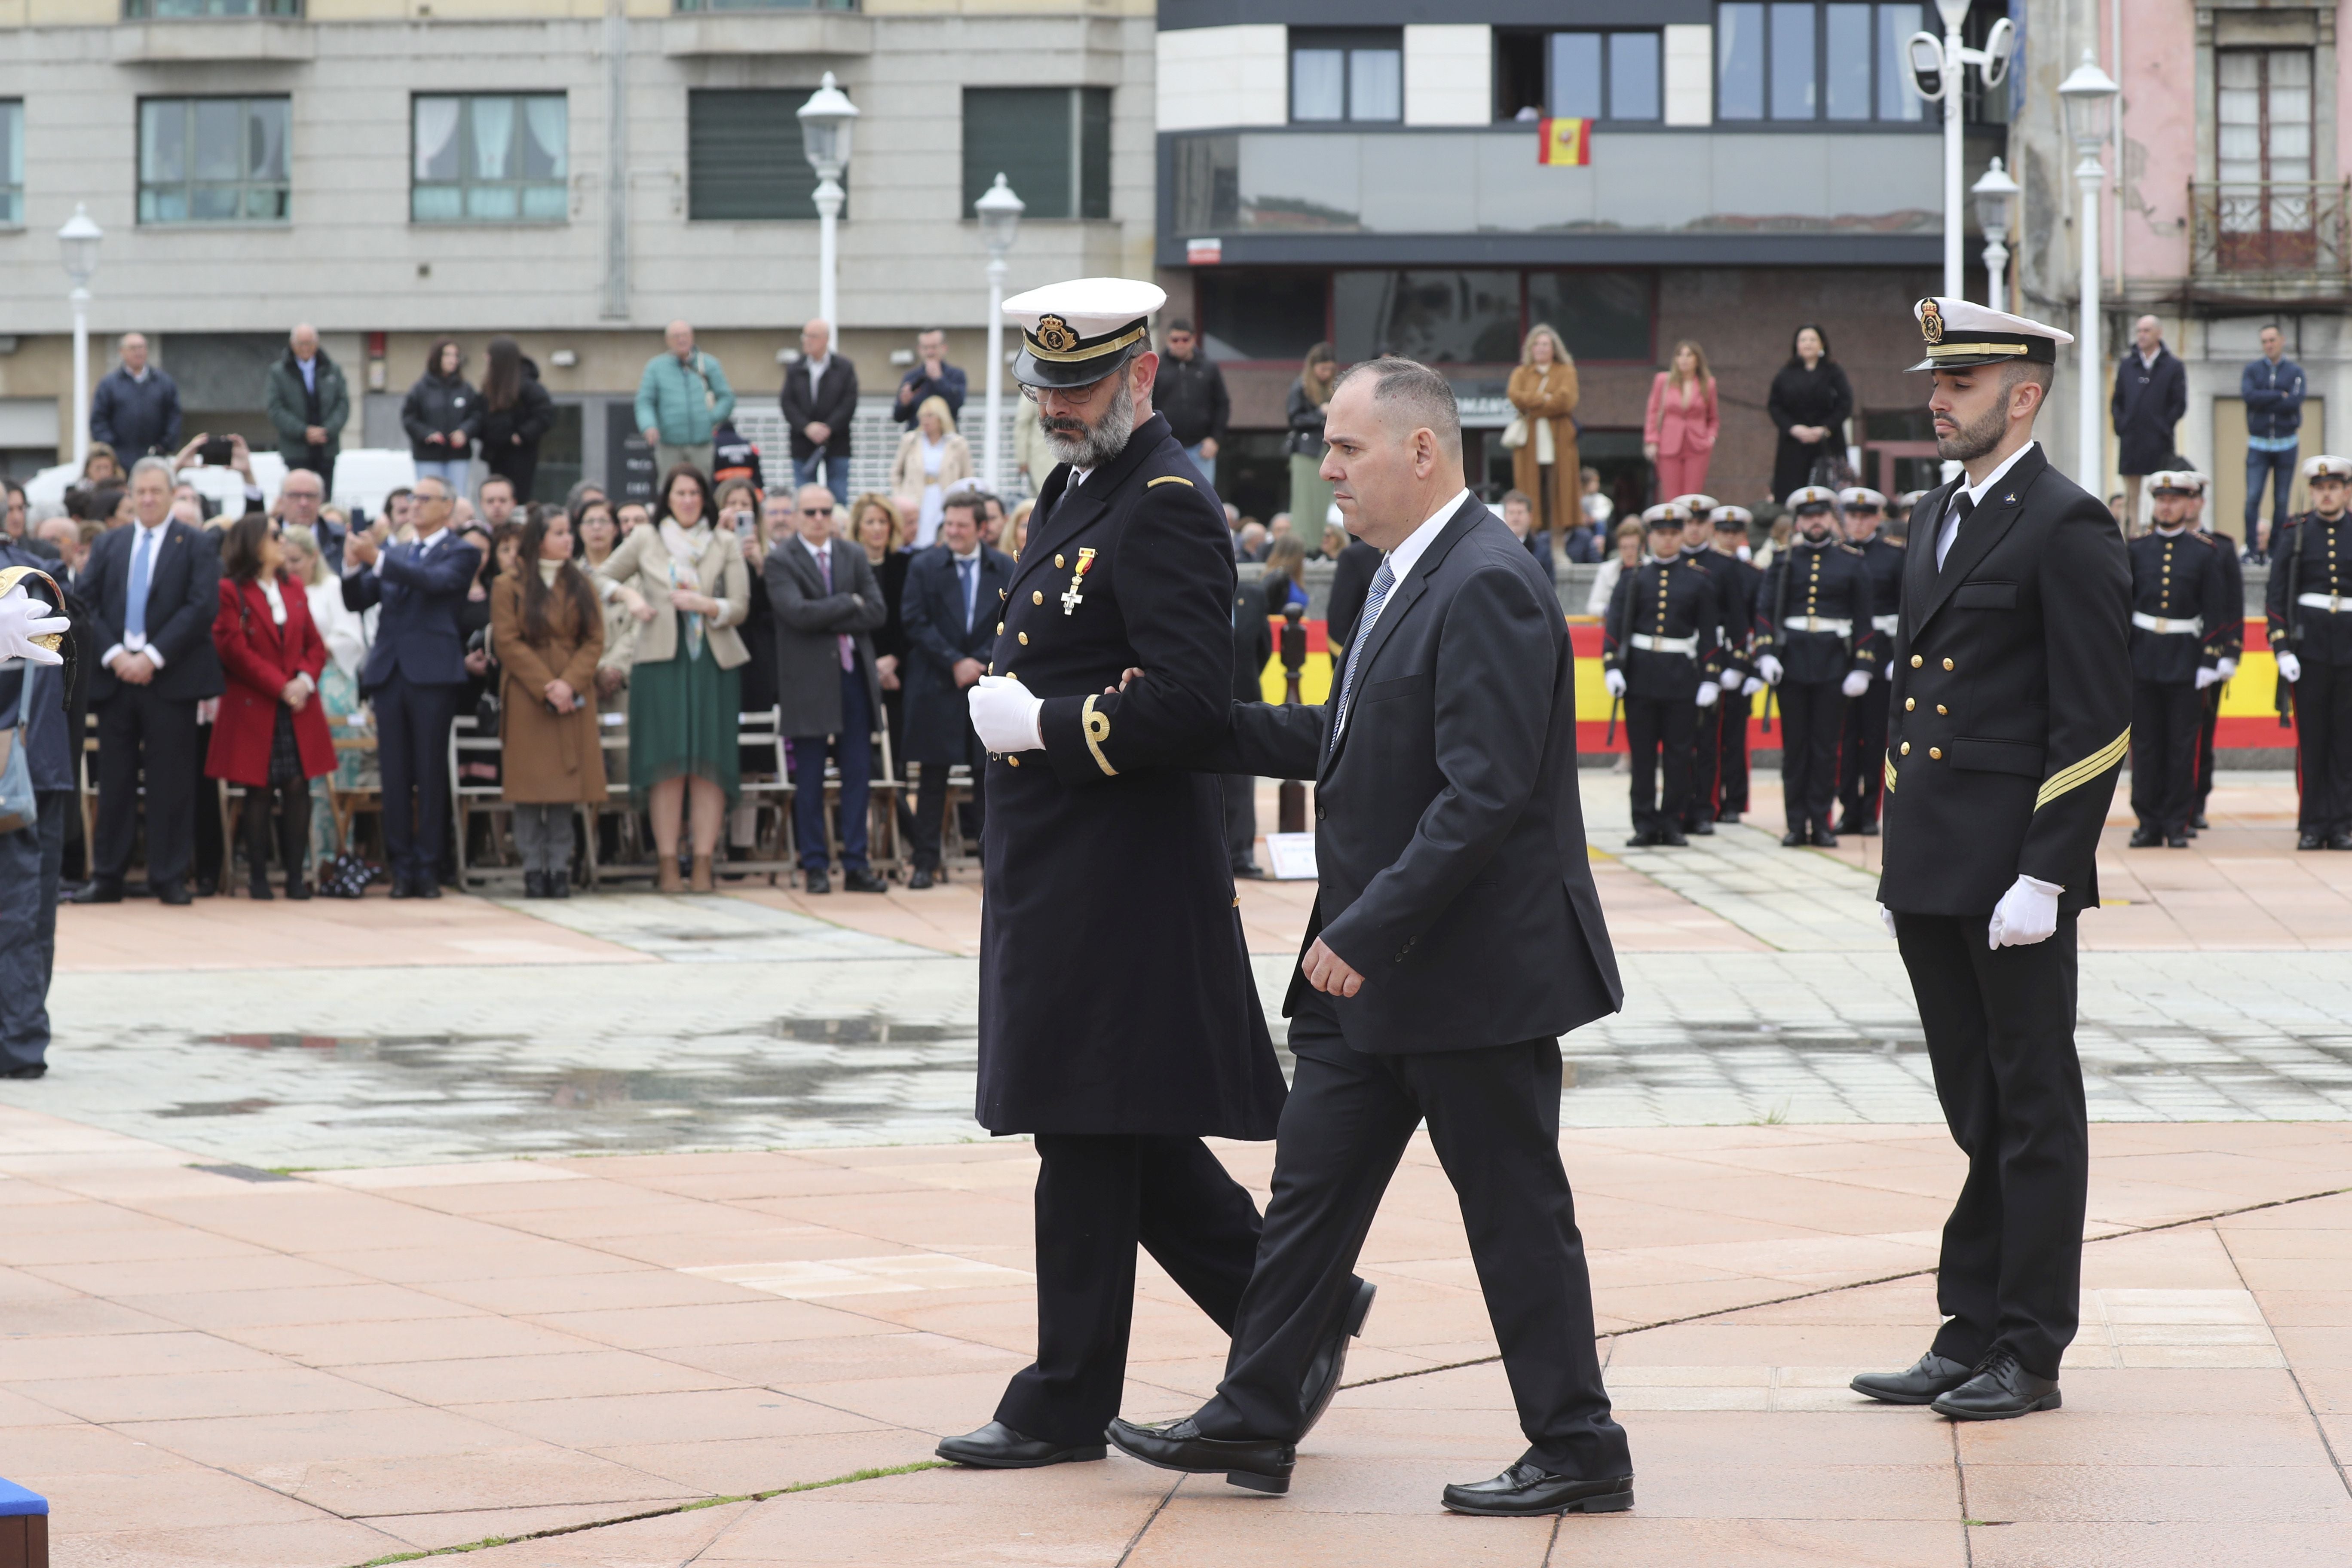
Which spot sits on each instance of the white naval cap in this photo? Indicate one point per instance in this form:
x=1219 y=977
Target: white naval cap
x=1698 y=503
x=1958 y=334
x=1854 y=496
x=2327 y=468
x=1909 y=499
x=1075 y=334
x=1667 y=515
x=1805 y=497
x=2181 y=481
x=1725 y=517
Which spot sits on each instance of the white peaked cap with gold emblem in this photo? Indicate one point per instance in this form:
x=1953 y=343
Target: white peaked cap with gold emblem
x=1805 y=497
x=2327 y=468
x=1698 y=503
x=1667 y=515
x=1958 y=334
x=1854 y=496
x=1075 y=334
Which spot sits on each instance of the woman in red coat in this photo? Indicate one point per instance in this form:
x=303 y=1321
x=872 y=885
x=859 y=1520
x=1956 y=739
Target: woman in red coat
x=271 y=735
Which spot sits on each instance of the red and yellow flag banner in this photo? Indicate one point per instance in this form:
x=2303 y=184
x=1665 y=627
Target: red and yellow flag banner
x=1564 y=141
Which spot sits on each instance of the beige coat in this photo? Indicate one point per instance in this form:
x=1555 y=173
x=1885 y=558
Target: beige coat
x=906 y=476
x=1547 y=393
x=545 y=757
x=642 y=562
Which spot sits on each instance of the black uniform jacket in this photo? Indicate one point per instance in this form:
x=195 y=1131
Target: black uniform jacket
x=1883 y=563
x=2176 y=581
x=1804 y=588
x=1448 y=831
x=1740 y=586
x=1115 y=987
x=2313 y=554
x=2009 y=704
x=1668 y=600
x=2233 y=595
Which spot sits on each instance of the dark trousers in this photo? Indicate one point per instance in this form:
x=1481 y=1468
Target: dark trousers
x=1097 y=1197
x=2279 y=468
x=930 y=825
x=1813 y=722
x=1494 y=1119
x=2166 y=719
x=2323 y=747
x=2001 y=1036
x=1652 y=725
x=411 y=739
x=1706 y=724
x=30 y=860
x=140 y=732
x=1241 y=819
x=290 y=832
x=853 y=754
x=836 y=472
x=1731 y=755
x=2205 y=732
x=1862 y=758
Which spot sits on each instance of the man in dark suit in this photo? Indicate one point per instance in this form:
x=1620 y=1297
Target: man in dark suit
x=2009 y=714
x=1456 y=937
x=820 y=399
x=153 y=590
x=2151 y=397
x=1253 y=650
x=954 y=593
x=414 y=675
x=828 y=605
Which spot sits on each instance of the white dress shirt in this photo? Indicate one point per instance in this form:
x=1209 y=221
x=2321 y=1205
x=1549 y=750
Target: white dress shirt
x=1949 y=529
x=149 y=538
x=1400 y=562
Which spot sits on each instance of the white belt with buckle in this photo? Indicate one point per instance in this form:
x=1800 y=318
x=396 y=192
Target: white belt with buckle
x=2335 y=604
x=1843 y=628
x=1686 y=647
x=1887 y=623
x=2193 y=626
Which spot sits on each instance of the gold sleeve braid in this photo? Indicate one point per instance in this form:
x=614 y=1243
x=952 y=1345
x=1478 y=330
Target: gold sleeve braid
x=1098 y=731
x=2076 y=775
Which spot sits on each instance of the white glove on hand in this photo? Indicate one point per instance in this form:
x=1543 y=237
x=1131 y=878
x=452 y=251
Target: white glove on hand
x=2026 y=914
x=2290 y=668
x=2228 y=667
x=1857 y=683
x=1615 y=680
x=1755 y=684
x=22 y=620
x=1005 y=715
x=1887 y=919
x=2207 y=675
x=1770 y=668
x=1708 y=693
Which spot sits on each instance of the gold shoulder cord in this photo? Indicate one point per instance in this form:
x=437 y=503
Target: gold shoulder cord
x=1098 y=731
x=1170 y=479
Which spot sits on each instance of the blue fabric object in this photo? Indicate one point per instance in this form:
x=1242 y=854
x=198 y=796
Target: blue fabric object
x=15 y=1502
x=2273 y=396
x=142 y=568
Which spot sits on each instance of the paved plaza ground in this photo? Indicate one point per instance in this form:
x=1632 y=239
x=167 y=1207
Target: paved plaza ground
x=614 y=1230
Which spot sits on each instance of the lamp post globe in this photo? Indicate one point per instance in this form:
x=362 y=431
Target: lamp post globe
x=2089 y=96
x=999 y=211
x=828 y=121
x=78 y=243
x=1996 y=197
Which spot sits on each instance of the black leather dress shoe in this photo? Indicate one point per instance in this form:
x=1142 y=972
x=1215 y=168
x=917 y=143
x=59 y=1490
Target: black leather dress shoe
x=819 y=881
x=2308 y=841
x=997 y=1447
x=1924 y=1380
x=2177 y=841
x=1526 y=1488
x=175 y=894
x=919 y=879
x=428 y=889
x=1703 y=828
x=1250 y=871
x=1330 y=1362
x=1643 y=838
x=1260 y=1464
x=99 y=892
x=1822 y=836
x=2001 y=1391
x=1672 y=838
x=2340 y=841
x=534 y=884
x=35 y=1070
x=2199 y=822
x=859 y=879
x=2145 y=839
x=1794 y=839
x=207 y=887
x=1868 y=829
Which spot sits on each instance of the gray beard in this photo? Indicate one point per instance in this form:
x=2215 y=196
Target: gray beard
x=1103 y=440
x=1973 y=441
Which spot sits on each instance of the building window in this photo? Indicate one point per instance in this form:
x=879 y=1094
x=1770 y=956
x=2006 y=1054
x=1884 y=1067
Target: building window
x=489 y=158
x=1052 y=144
x=150 y=10
x=1481 y=317
x=1578 y=75
x=12 y=161
x=214 y=160
x=2265 y=211
x=1249 y=314
x=1803 y=61
x=743 y=156
x=1347 y=73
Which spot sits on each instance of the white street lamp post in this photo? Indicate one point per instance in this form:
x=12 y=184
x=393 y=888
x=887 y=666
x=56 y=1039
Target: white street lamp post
x=78 y=245
x=999 y=211
x=1939 y=72
x=1995 y=192
x=2089 y=95
x=827 y=119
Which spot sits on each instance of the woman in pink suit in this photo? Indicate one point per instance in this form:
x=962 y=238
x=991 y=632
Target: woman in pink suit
x=1678 y=434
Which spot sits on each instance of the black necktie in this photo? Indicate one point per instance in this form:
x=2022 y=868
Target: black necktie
x=1963 y=504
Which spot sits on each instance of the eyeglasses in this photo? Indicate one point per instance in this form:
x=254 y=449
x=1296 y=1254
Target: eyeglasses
x=1067 y=394
x=817 y=511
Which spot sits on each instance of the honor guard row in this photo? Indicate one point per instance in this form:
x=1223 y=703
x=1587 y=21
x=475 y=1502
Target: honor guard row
x=2183 y=618
x=2309 y=612
x=1662 y=658
x=1817 y=646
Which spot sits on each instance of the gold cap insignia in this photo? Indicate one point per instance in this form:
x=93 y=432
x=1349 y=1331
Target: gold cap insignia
x=1054 y=334
x=1931 y=321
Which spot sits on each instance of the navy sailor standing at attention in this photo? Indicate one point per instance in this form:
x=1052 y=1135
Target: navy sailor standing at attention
x=1119 y=1021
x=2309 y=605
x=1815 y=641
x=2009 y=714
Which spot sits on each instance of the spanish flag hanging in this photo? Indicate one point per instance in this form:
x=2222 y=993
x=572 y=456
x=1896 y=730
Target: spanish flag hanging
x=1565 y=142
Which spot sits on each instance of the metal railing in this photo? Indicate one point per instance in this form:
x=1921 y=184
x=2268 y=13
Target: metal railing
x=2269 y=228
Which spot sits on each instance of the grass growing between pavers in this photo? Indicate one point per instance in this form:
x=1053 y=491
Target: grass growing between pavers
x=490 y=1540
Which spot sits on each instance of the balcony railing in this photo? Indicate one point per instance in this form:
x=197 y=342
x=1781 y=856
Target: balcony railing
x=2278 y=229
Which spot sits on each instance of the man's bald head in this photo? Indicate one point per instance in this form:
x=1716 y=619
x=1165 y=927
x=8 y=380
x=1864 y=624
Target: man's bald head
x=679 y=336
x=305 y=340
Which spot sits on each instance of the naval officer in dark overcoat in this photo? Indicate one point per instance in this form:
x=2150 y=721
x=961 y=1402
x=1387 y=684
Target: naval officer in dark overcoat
x=2309 y=608
x=2010 y=713
x=1118 y=1022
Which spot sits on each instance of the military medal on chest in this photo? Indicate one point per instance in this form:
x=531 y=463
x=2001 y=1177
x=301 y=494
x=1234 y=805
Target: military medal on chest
x=1074 y=595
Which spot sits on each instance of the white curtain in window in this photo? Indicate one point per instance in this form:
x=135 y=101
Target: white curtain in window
x=493 y=137
x=436 y=126
x=544 y=117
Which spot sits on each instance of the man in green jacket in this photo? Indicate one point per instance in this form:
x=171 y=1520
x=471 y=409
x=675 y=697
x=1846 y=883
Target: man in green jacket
x=682 y=400
x=308 y=405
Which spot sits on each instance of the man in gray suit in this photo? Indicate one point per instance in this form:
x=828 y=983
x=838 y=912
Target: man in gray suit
x=828 y=607
x=1456 y=937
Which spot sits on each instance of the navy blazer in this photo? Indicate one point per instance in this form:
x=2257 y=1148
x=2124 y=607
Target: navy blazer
x=939 y=714
x=418 y=637
x=182 y=598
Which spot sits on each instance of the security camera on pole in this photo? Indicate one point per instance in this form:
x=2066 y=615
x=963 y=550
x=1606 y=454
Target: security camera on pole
x=1937 y=66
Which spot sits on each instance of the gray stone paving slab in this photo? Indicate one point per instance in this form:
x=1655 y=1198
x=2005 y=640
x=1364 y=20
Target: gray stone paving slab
x=709 y=929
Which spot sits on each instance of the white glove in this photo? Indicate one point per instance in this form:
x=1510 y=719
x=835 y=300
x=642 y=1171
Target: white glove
x=2026 y=914
x=1857 y=683
x=2207 y=675
x=2290 y=668
x=1770 y=668
x=1005 y=715
x=1615 y=680
x=1887 y=919
x=22 y=620
x=1708 y=693
x=2228 y=667
x=1755 y=684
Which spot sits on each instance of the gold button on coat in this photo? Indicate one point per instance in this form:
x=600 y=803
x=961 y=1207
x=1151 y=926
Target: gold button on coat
x=1024 y=639
x=1037 y=596
x=1909 y=703
x=1916 y=661
x=1936 y=752
x=1906 y=747
x=1941 y=708
x=1057 y=560
x=1000 y=628
x=1948 y=664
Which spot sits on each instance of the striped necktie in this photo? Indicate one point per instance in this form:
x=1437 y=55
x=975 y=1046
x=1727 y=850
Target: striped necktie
x=1383 y=581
